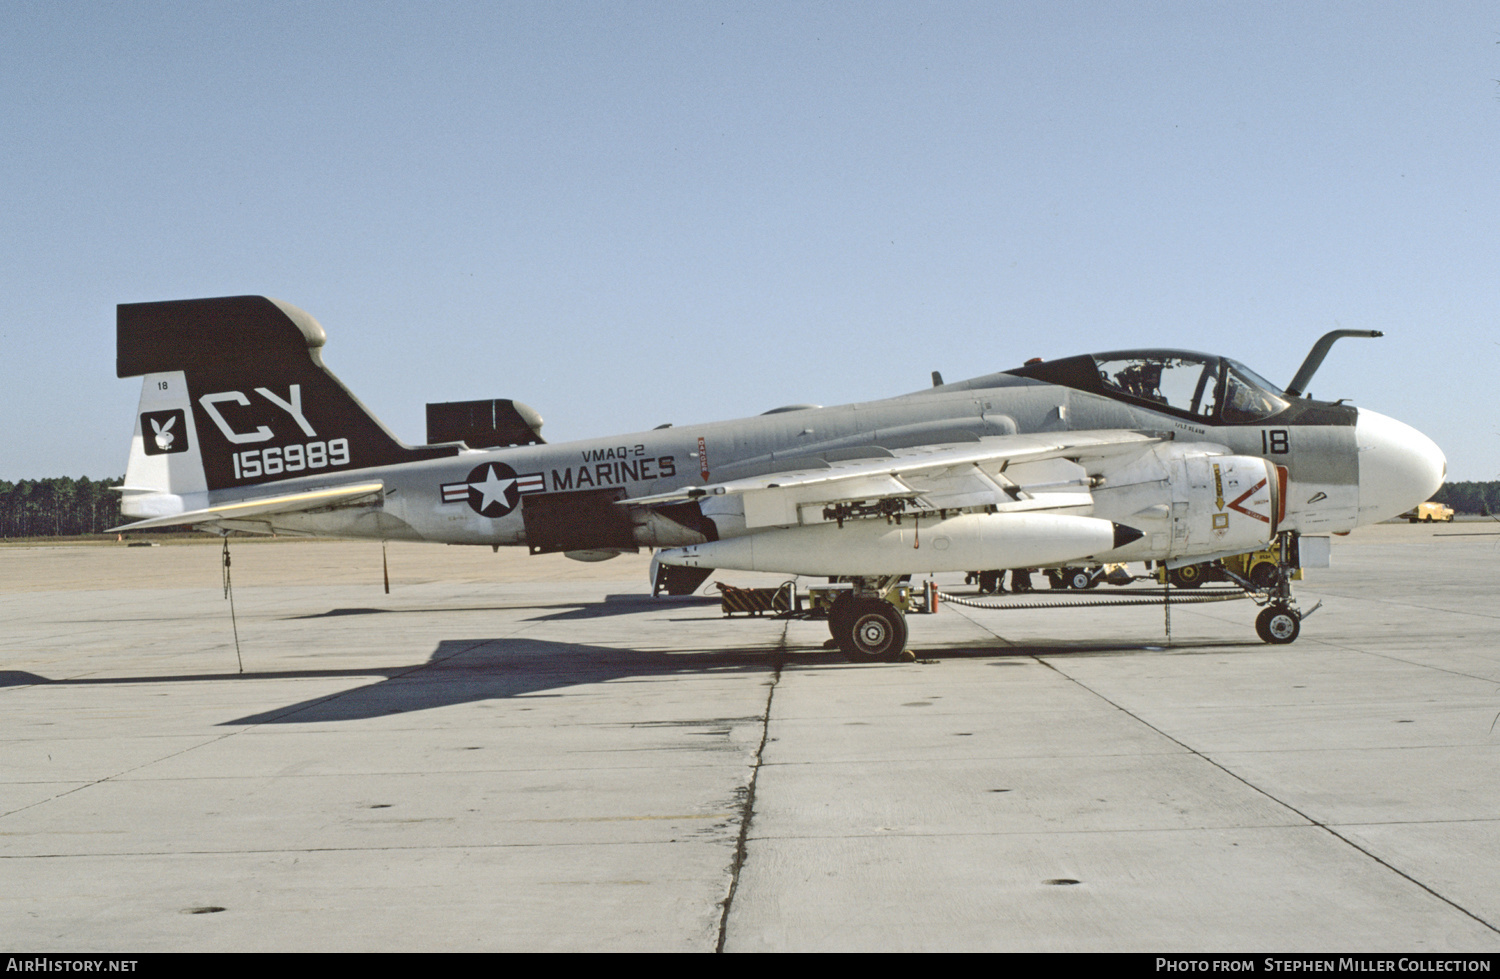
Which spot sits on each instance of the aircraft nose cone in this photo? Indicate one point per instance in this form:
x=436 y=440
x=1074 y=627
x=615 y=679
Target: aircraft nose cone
x=1399 y=467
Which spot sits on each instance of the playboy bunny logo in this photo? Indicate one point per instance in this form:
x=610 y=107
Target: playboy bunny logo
x=164 y=432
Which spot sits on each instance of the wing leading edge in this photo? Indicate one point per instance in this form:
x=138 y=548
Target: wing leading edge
x=935 y=477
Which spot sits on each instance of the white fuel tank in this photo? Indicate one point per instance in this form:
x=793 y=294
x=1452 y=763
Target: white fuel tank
x=872 y=547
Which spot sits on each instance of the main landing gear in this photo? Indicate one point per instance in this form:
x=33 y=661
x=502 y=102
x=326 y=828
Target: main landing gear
x=866 y=626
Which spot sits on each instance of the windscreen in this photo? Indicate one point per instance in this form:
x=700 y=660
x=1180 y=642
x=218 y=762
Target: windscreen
x=1187 y=383
x=1248 y=397
x=1212 y=389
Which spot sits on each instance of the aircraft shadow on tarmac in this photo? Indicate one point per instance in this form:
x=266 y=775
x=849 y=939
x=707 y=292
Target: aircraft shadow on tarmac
x=461 y=671
x=612 y=605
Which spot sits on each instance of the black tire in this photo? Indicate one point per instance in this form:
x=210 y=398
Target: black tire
x=874 y=630
x=838 y=615
x=1278 y=625
x=1079 y=578
x=1188 y=576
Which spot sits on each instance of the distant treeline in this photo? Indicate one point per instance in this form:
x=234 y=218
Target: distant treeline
x=59 y=507
x=1470 y=497
x=65 y=507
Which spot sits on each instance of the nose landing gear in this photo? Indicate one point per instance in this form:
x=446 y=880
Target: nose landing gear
x=1278 y=624
x=1280 y=621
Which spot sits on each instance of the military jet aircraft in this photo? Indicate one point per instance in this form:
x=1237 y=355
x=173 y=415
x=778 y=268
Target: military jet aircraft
x=1163 y=456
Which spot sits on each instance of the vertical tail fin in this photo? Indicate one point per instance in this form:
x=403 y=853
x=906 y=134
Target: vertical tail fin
x=236 y=395
x=165 y=472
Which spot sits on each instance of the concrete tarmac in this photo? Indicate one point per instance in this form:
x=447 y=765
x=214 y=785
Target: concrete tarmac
x=511 y=753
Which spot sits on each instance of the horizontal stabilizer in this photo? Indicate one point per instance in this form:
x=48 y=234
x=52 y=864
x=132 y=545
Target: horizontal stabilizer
x=289 y=503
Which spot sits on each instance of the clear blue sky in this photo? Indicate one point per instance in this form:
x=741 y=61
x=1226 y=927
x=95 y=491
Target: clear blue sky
x=626 y=214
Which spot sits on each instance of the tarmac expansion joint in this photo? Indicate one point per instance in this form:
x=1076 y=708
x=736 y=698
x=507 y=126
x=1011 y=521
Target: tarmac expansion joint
x=747 y=797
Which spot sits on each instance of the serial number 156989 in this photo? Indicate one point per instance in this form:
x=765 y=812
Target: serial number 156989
x=290 y=458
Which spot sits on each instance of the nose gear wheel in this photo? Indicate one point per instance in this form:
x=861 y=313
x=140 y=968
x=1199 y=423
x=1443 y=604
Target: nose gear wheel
x=1278 y=624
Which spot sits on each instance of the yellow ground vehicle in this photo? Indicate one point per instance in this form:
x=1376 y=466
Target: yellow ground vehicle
x=823 y=596
x=1428 y=512
x=1257 y=567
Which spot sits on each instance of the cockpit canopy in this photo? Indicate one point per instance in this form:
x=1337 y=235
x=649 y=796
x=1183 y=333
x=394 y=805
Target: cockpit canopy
x=1215 y=390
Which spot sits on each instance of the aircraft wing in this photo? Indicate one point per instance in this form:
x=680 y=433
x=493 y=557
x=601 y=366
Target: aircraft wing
x=948 y=476
x=260 y=506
